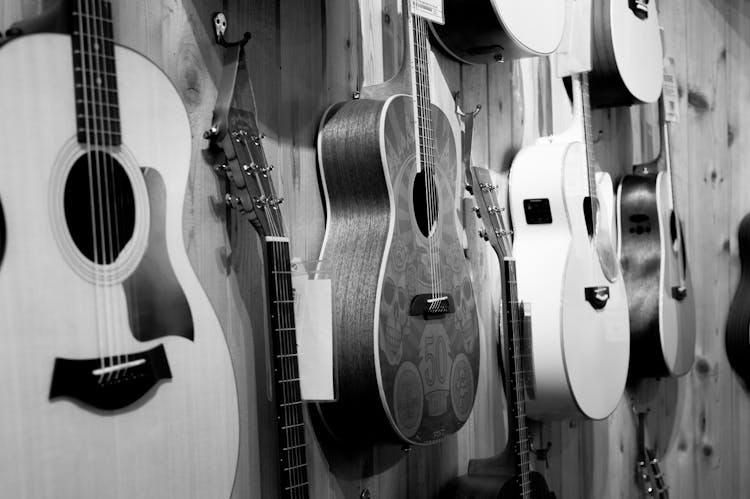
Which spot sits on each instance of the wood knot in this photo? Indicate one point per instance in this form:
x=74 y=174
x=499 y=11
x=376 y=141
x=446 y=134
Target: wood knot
x=702 y=366
x=708 y=450
x=698 y=101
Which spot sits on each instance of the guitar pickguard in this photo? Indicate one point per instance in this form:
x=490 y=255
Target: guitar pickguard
x=157 y=306
x=428 y=366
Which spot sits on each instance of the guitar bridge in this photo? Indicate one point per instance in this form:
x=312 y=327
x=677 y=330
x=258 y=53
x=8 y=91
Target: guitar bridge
x=430 y=306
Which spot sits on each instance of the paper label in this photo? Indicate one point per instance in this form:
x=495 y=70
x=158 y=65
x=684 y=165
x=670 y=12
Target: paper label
x=313 y=311
x=669 y=93
x=432 y=10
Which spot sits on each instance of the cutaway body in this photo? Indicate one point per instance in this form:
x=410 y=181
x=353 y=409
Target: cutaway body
x=580 y=318
x=662 y=316
x=404 y=377
x=176 y=436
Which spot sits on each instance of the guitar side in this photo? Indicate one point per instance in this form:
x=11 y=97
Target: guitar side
x=738 y=320
x=404 y=377
x=180 y=440
x=580 y=354
x=662 y=327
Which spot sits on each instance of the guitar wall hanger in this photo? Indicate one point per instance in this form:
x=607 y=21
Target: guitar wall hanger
x=219 y=20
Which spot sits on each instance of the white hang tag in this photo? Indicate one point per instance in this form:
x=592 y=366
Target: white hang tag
x=669 y=93
x=432 y=10
x=313 y=314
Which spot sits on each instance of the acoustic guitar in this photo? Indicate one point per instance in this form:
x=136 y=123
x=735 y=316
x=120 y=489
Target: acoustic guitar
x=562 y=211
x=488 y=31
x=737 y=342
x=404 y=314
x=238 y=145
x=651 y=249
x=626 y=52
x=509 y=475
x=117 y=380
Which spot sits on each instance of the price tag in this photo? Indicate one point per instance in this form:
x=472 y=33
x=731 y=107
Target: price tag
x=669 y=93
x=432 y=10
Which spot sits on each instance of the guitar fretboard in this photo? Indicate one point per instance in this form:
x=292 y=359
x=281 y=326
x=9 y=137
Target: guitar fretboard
x=588 y=135
x=290 y=418
x=518 y=353
x=95 y=76
x=421 y=75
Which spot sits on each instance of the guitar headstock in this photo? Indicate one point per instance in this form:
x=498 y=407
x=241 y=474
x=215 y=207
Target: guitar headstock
x=651 y=476
x=249 y=171
x=491 y=210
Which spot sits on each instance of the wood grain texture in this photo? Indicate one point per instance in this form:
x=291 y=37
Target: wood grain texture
x=699 y=424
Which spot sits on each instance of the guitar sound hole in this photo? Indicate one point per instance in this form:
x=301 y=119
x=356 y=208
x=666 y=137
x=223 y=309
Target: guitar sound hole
x=99 y=207
x=425 y=202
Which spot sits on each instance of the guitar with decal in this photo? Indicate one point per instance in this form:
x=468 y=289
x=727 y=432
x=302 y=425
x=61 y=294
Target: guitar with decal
x=117 y=379
x=510 y=474
x=561 y=206
x=404 y=315
x=627 y=53
x=490 y=31
x=651 y=249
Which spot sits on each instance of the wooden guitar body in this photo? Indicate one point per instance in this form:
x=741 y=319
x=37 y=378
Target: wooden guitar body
x=738 y=321
x=579 y=351
x=626 y=53
x=166 y=427
x=662 y=319
x=403 y=377
x=489 y=31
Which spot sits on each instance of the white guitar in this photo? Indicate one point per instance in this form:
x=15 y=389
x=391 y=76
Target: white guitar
x=117 y=380
x=627 y=53
x=489 y=31
x=562 y=211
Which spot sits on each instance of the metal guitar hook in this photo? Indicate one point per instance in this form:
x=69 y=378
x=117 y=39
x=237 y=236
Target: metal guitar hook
x=219 y=20
x=459 y=112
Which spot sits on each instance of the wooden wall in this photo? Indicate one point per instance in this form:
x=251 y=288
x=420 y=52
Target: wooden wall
x=309 y=54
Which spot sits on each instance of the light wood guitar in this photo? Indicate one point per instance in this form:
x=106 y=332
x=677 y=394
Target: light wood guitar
x=117 y=380
x=627 y=53
x=562 y=211
x=404 y=315
x=651 y=249
x=510 y=474
x=489 y=31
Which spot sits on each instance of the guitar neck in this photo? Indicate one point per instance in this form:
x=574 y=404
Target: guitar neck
x=420 y=73
x=290 y=422
x=518 y=380
x=588 y=139
x=97 y=108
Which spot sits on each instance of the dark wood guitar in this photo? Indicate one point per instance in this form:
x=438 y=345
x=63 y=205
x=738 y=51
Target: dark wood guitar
x=404 y=314
x=490 y=31
x=509 y=475
x=738 y=321
x=238 y=141
x=654 y=265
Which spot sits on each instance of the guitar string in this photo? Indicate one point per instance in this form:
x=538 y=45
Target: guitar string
x=104 y=182
x=84 y=71
x=424 y=147
x=429 y=153
x=93 y=148
x=106 y=39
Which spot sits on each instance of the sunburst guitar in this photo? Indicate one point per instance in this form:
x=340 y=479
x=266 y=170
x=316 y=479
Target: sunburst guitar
x=117 y=380
x=404 y=313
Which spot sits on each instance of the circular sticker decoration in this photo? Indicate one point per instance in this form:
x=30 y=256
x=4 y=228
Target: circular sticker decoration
x=408 y=399
x=462 y=387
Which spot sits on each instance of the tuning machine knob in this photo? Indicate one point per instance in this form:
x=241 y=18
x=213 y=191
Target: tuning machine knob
x=483 y=235
x=476 y=210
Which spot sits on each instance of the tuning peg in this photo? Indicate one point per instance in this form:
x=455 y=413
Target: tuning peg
x=469 y=189
x=475 y=209
x=250 y=169
x=211 y=132
x=495 y=209
x=232 y=201
x=504 y=232
x=221 y=170
x=483 y=234
x=274 y=202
